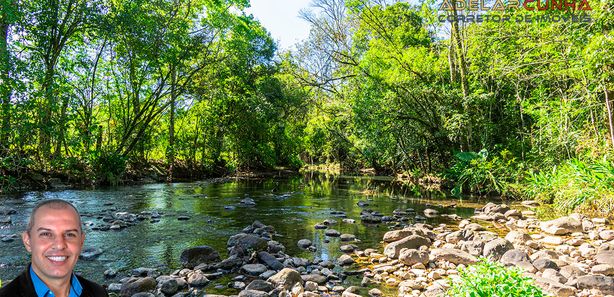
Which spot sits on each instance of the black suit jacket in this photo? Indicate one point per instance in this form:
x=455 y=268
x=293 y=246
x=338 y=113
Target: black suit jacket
x=22 y=286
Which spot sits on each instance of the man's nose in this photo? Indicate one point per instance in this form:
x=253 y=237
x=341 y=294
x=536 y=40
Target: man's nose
x=60 y=242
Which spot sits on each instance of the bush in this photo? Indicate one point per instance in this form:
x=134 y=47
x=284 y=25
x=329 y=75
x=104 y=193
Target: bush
x=482 y=174
x=486 y=279
x=109 y=168
x=575 y=186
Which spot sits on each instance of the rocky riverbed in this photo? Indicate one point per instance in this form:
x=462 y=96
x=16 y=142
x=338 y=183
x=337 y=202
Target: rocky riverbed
x=569 y=256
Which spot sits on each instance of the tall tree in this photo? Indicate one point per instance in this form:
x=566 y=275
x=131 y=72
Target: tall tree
x=8 y=15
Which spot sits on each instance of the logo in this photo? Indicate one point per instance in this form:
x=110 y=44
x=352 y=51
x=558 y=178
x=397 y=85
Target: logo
x=479 y=11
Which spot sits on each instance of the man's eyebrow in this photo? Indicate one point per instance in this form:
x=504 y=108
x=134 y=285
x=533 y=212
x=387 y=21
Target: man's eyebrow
x=65 y=231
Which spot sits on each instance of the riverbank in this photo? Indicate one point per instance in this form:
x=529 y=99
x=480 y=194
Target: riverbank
x=569 y=256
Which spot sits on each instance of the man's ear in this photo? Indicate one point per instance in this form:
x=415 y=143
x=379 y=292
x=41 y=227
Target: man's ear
x=25 y=237
x=82 y=238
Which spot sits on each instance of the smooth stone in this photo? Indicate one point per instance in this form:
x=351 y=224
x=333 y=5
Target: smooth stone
x=286 y=277
x=252 y=293
x=137 y=285
x=413 y=256
x=453 y=256
x=260 y=285
x=392 y=250
x=605 y=257
x=318 y=279
x=543 y=263
x=604 y=283
x=254 y=269
x=344 y=260
x=561 y=226
x=347 y=237
x=304 y=243
x=90 y=253
x=604 y=269
x=332 y=233
x=494 y=249
x=607 y=235
x=197 y=279
x=192 y=257
x=348 y=248
x=270 y=261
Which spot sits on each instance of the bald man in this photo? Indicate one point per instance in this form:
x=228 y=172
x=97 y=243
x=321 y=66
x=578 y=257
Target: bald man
x=55 y=238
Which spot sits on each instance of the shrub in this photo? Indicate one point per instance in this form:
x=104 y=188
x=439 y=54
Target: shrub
x=575 y=186
x=109 y=168
x=486 y=279
x=482 y=174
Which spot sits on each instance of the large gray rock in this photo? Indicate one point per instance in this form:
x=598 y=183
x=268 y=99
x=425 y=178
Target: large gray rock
x=413 y=256
x=453 y=256
x=492 y=208
x=136 y=285
x=304 y=243
x=270 y=261
x=392 y=250
x=464 y=235
x=554 y=287
x=604 y=283
x=253 y=269
x=286 y=277
x=197 y=278
x=518 y=238
x=168 y=285
x=246 y=242
x=561 y=226
x=474 y=247
x=260 y=285
x=543 y=263
x=90 y=253
x=605 y=269
x=316 y=278
x=605 y=257
x=494 y=249
x=392 y=236
x=252 y=293
x=607 y=235
x=191 y=257
x=512 y=257
x=344 y=260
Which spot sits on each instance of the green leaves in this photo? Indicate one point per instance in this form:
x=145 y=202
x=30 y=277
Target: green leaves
x=486 y=279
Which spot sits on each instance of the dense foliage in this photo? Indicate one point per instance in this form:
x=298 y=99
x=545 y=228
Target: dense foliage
x=486 y=279
x=99 y=89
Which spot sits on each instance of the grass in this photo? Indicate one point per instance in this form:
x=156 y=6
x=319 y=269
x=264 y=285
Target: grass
x=575 y=186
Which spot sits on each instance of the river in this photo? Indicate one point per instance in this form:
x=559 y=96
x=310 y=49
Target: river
x=293 y=205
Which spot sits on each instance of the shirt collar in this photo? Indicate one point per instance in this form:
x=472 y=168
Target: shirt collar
x=43 y=291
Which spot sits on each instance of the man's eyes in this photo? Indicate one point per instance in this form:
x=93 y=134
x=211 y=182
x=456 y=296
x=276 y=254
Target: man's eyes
x=70 y=235
x=46 y=234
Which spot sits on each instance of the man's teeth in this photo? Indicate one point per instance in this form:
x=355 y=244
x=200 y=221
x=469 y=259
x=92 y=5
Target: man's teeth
x=57 y=259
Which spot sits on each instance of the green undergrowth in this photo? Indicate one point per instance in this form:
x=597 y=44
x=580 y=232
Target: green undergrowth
x=575 y=186
x=486 y=279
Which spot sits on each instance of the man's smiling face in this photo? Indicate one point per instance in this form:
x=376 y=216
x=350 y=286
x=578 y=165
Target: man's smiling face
x=55 y=241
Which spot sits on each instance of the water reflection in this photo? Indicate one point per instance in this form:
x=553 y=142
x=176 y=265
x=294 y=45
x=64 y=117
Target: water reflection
x=292 y=205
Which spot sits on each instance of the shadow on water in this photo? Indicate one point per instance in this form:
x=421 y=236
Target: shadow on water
x=292 y=205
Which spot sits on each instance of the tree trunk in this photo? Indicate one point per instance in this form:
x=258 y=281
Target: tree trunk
x=46 y=114
x=171 y=128
x=609 y=109
x=5 y=85
x=463 y=72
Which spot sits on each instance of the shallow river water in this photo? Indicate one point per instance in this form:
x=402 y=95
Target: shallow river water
x=292 y=205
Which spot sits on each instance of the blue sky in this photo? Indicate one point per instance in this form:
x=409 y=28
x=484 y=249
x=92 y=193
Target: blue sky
x=281 y=19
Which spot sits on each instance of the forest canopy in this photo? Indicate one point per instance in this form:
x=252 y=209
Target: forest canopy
x=93 y=90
